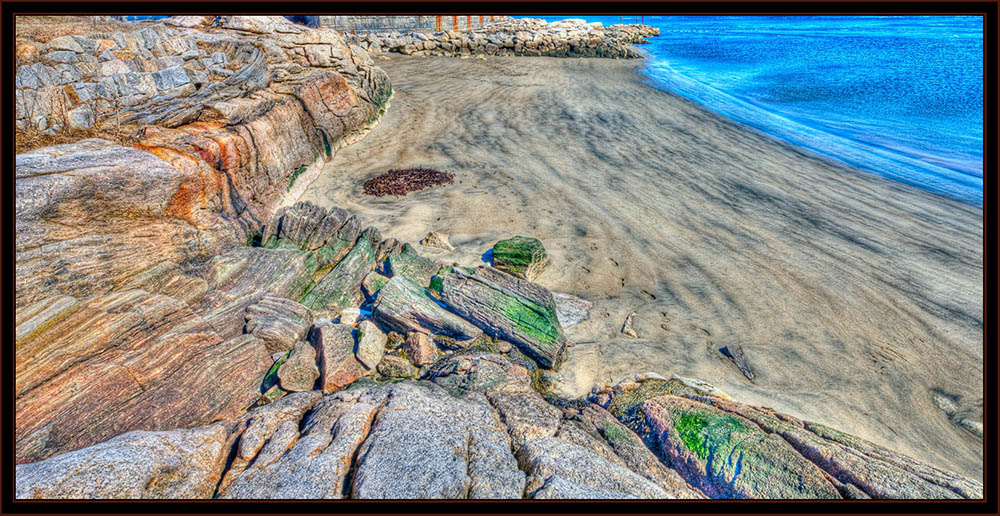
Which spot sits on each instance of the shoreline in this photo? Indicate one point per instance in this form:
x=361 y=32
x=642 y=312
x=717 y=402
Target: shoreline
x=759 y=243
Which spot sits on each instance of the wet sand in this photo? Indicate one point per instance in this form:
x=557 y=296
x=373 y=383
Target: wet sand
x=856 y=300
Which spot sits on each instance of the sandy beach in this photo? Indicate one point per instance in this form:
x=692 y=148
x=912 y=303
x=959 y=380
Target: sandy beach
x=856 y=300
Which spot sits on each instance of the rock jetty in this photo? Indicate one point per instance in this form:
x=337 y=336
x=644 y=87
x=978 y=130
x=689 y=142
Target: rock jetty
x=527 y=37
x=185 y=330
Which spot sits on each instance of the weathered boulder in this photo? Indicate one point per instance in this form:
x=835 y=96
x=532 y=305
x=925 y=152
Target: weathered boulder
x=455 y=449
x=279 y=322
x=135 y=465
x=437 y=240
x=549 y=457
x=523 y=257
x=403 y=305
x=371 y=344
x=508 y=388
x=125 y=361
x=410 y=264
x=299 y=371
x=507 y=308
x=338 y=365
x=394 y=366
x=419 y=348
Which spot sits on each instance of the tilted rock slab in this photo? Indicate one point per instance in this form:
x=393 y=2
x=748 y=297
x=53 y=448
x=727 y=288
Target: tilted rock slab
x=127 y=361
x=407 y=262
x=341 y=287
x=507 y=308
x=279 y=322
x=404 y=306
x=730 y=457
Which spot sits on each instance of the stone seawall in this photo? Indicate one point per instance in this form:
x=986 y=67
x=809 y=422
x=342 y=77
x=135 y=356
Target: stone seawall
x=407 y=23
x=528 y=37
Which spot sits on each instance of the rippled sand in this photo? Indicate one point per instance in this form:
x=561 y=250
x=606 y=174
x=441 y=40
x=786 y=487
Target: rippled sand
x=855 y=299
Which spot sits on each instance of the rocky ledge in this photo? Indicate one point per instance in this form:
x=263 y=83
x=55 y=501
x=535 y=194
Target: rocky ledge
x=296 y=367
x=258 y=106
x=184 y=331
x=528 y=37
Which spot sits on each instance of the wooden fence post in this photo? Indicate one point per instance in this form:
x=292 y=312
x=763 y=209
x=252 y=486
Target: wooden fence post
x=437 y=24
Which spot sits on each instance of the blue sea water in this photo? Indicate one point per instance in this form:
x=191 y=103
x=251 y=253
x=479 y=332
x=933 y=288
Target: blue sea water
x=900 y=96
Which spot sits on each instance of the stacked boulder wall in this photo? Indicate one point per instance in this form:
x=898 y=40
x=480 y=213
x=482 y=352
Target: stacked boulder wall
x=126 y=361
x=507 y=308
x=230 y=152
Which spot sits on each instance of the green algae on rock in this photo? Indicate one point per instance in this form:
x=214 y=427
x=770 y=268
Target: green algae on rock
x=341 y=288
x=507 y=308
x=409 y=263
x=405 y=306
x=727 y=456
x=521 y=256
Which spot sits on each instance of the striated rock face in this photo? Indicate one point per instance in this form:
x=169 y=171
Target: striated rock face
x=507 y=308
x=125 y=361
x=243 y=120
x=86 y=221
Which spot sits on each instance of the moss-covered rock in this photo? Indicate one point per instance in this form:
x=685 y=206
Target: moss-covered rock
x=341 y=287
x=507 y=308
x=727 y=456
x=521 y=256
x=407 y=262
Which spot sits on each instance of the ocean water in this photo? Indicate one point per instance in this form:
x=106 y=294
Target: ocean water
x=899 y=96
